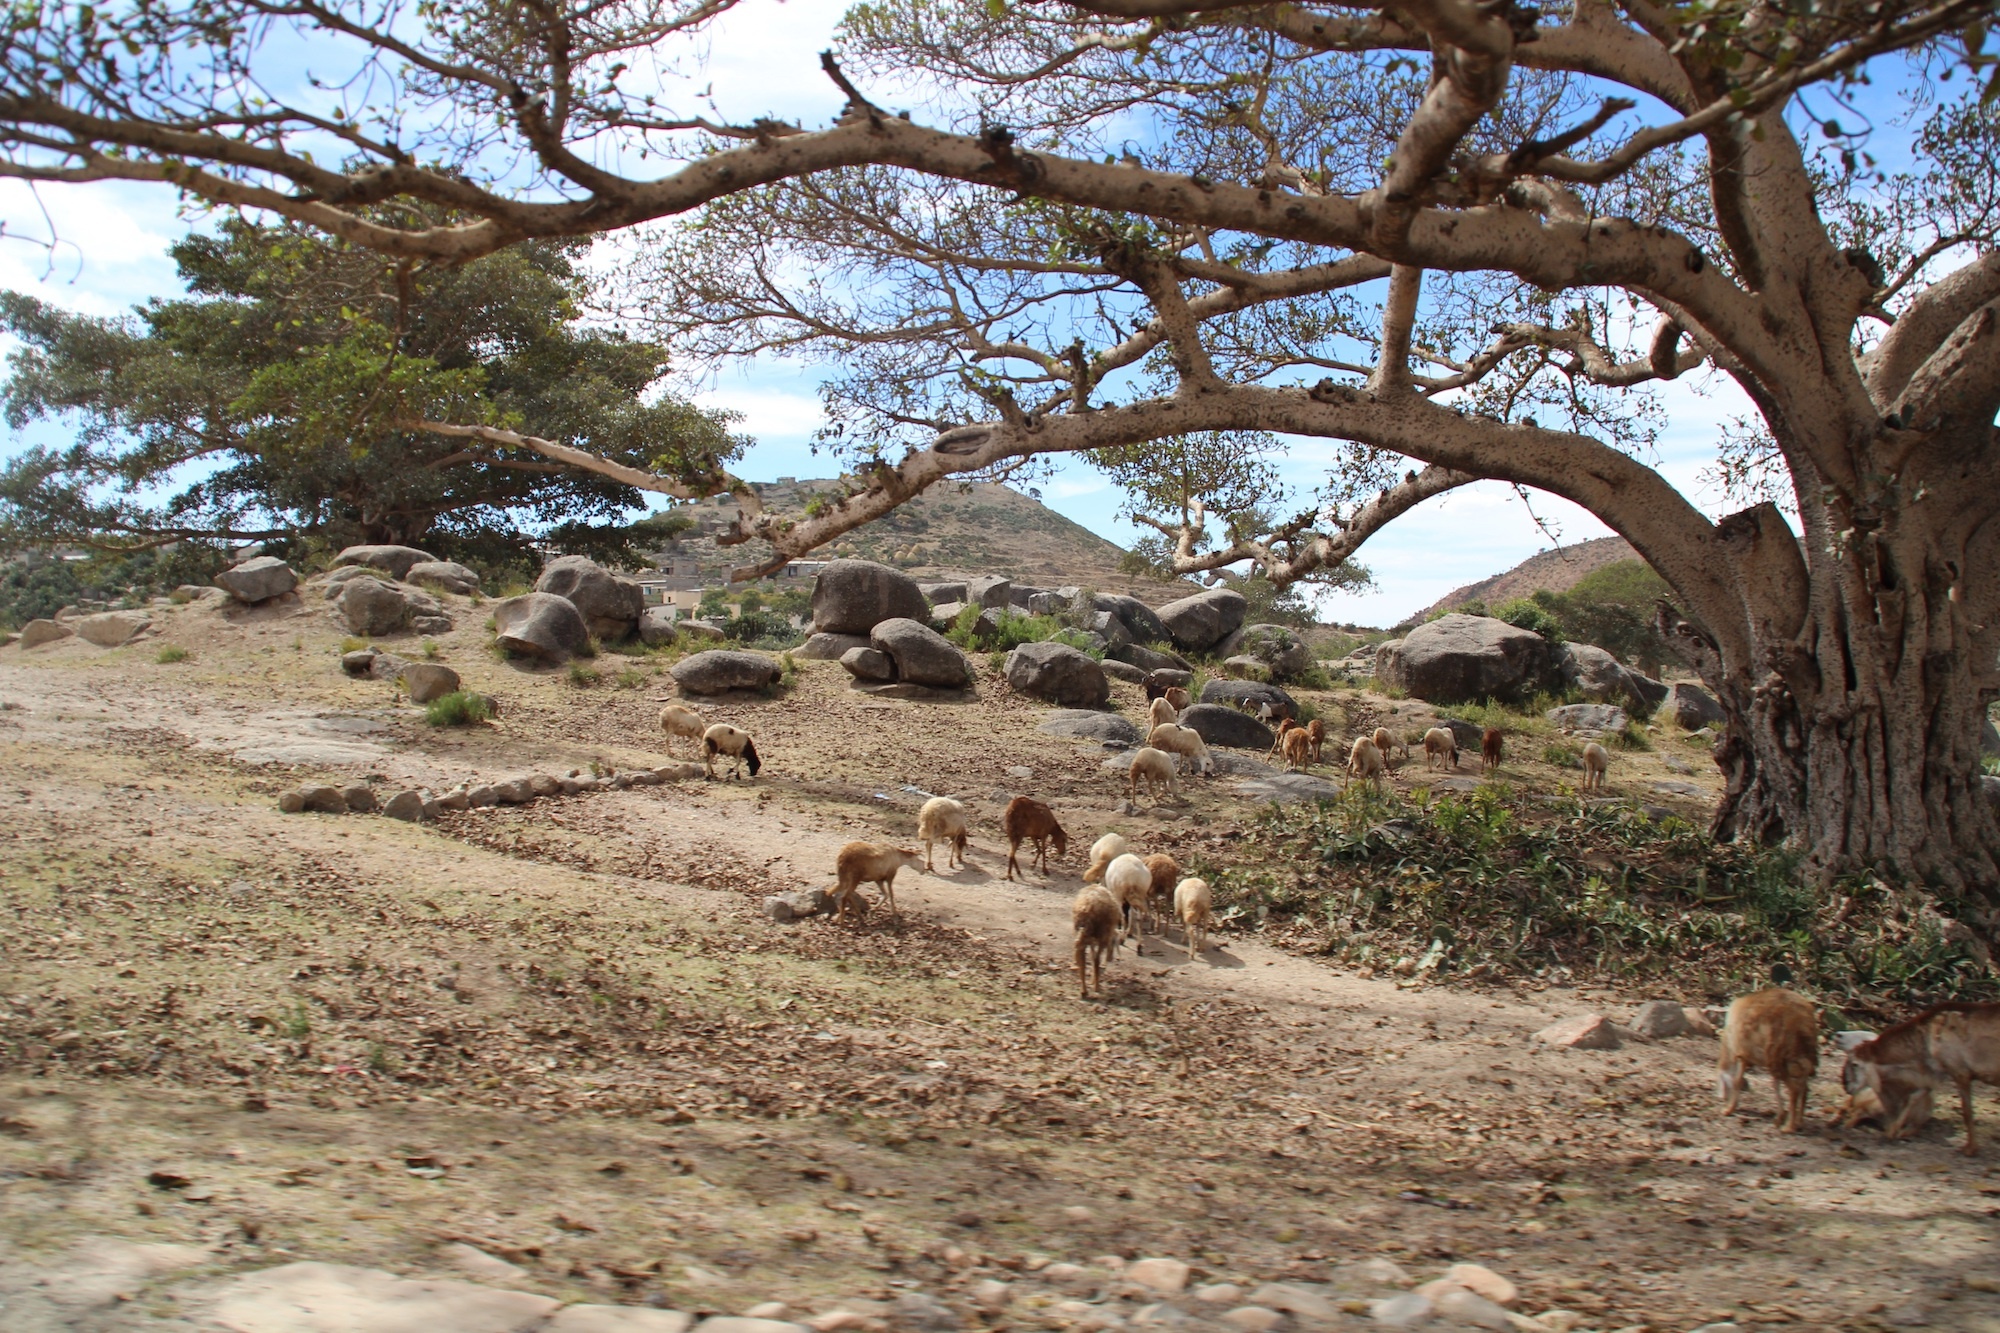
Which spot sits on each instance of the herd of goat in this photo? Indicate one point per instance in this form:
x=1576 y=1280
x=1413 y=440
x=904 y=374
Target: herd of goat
x=1890 y=1077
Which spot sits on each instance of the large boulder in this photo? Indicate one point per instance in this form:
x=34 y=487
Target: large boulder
x=1460 y=658
x=395 y=561
x=1196 y=624
x=610 y=606
x=1225 y=726
x=1084 y=725
x=110 y=629
x=1588 y=719
x=656 y=626
x=541 y=625
x=1250 y=695
x=829 y=647
x=368 y=606
x=1692 y=708
x=1277 y=647
x=1108 y=627
x=257 y=580
x=1022 y=598
x=854 y=596
x=38 y=632
x=945 y=614
x=871 y=664
x=1124 y=671
x=1149 y=659
x=722 y=669
x=429 y=681
x=936 y=593
x=1602 y=678
x=448 y=575
x=1139 y=620
x=990 y=590
x=1058 y=673
x=922 y=655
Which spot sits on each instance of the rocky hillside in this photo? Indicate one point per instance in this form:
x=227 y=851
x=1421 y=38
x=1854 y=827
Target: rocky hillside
x=1554 y=571
x=952 y=532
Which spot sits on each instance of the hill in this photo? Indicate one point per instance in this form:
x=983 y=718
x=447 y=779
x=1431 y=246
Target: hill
x=1552 y=571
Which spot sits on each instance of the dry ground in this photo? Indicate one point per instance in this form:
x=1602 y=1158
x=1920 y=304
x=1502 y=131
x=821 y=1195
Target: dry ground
x=564 y=1032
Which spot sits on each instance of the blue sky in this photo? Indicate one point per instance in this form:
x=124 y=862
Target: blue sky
x=763 y=60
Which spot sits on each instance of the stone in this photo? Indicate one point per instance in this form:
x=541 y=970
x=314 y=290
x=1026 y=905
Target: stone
x=1586 y=1032
x=1277 y=646
x=1989 y=739
x=407 y=806
x=1139 y=620
x=446 y=575
x=474 y=1262
x=1168 y=1277
x=991 y=1294
x=517 y=791
x=370 y=606
x=1408 y=1310
x=742 y=1324
x=1657 y=1020
x=360 y=799
x=865 y=663
x=945 y=615
x=1237 y=693
x=707 y=630
x=1058 y=673
x=1124 y=671
x=1150 y=659
x=291 y=802
x=1085 y=725
x=1295 y=1300
x=766 y=1310
x=541 y=626
x=1469 y=1308
x=1067 y=1272
x=337 y=1298
x=1219 y=725
x=610 y=606
x=544 y=784
x=323 y=800
x=1588 y=719
x=619 y=1319
x=1691 y=708
x=482 y=795
x=1108 y=629
x=1219 y=1293
x=1167 y=677
x=657 y=626
x=1196 y=624
x=257 y=580
x=942 y=592
x=916 y=1310
x=110 y=629
x=719 y=670
x=854 y=596
x=1483 y=1280
x=1253 y=1319
x=359 y=663
x=1462 y=659
x=922 y=655
x=428 y=681
x=38 y=632
x=1372 y=1273
x=386 y=666
x=1245 y=668
x=1602 y=678
x=195 y=592
x=829 y=647
x=395 y=561
x=990 y=590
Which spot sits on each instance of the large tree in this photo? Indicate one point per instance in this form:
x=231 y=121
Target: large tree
x=1118 y=221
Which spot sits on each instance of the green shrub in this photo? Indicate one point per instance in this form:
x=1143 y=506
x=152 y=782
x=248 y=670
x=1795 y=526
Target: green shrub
x=350 y=644
x=1528 y=614
x=584 y=676
x=631 y=678
x=1561 y=755
x=171 y=653
x=458 y=709
x=1012 y=629
x=430 y=650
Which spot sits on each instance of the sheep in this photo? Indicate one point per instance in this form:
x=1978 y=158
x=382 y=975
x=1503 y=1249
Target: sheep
x=1489 y=749
x=1315 y=737
x=1364 y=761
x=1195 y=907
x=1130 y=883
x=868 y=863
x=1385 y=741
x=1166 y=873
x=1161 y=713
x=1179 y=698
x=1027 y=820
x=1183 y=741
x=677 y=720
x=1297 y=747
x=1440 y=744
x=1157 y=768
x=1775 y=1030
x=1596 y=759
x=734 y=742
x=1094 y=915
x=1102 y=853
x=942 y=820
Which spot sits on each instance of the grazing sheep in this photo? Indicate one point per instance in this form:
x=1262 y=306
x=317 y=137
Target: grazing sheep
x=1195 y=907
x=1385 y=741
x=1102 y=853
x=1775 y=1030
x=1440 y=745
x=1028 y=820
x=1157 y=768
x=1179 y=698
x=1489 y=749
x=1161 y=713
x=677 y=720
x=1316 y=737
x=868 y=863
x=1130 y=882
x=732 y=741
x=1596 y=759
x=1297 y=746
x=1364 y=761
x=1183 y=741
x=1094 y=914
x=1166 y=873
x=1278 y=737
x=942 y=820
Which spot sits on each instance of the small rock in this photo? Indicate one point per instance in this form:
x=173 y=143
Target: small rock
x=446 y=574
x=482 y=795
x=542 y=784
x=405 y=805
x=358 y=663
x=330 y=1296
x=915 y=1310
x=1168 y=1277
x=1586 y=1032
x=1372 y=1273
x=779 y=909
x=323 y=800
x=1219 y=1293
x=428 y=681
x=1469 y=1307
x=837 y=1321
x=291 y=802
x=991 y=1295
x=1657 y=1019
x=1483 y=1280
x=1078 y=1213
x=742 y=1324
x=516 y=792
x=111 y=629
x=1408 y=1310
x=38 y=632
x=1294 y=1300
x=1724 y=1327
x=257 y=580
x=478 y=1263
x=618 y=1319
x=766 y=1310
x=360 y=799
x=1253 y=1319
x=1064 y=1272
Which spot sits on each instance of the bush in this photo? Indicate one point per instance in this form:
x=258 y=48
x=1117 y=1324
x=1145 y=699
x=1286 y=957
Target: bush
x=1528 y=614
x=584 y=676
x=430 y=650
x=1561 y=756
x=171 y=653
x=631 y=678
x=458 y=709
x=1013 y=630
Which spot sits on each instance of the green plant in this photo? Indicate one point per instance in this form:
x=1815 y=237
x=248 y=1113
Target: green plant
x=171 y=653
x=430 y=650
x=460 y=708
x=788 y=670
x=584 y=676
x=296 y=1022
x=1560 y=755
x=350 y=644
x=379 y=1059
x=631 y=678
x=996 y=662
x=1528 y=614
x=591 y=647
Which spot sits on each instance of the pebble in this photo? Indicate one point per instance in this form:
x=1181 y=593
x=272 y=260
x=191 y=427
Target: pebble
x=1219 y=1293
x=743 y=1324
x=991 y=1294
x=1373 y=1272
x=1062 y=1272
x=766 y=1310
x=1405 y=1311
x=837 y=1321
x=291 y=802
x=1483 y=1280
x=1253 y=1319
x=474 y=1262
x=915 y=1310
x=617 y=1319
x=1078 y=1213
x=1294 y=1300
x=1111 y=1263
x=360 y=799
x=1168 y=1277
x=1469 y=1307
x=1585 y=1032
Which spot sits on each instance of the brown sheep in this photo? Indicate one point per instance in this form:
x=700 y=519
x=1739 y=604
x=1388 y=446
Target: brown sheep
x=1028 y=820
x=1094 y=915
x=869 y=863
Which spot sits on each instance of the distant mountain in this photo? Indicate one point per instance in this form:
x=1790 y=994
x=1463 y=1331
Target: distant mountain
x=1551 y=571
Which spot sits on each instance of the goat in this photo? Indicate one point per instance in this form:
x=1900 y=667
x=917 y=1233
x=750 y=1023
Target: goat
x=1596 y=759
x=1130 y=882
x=868 y=863
x=679 y=721
x=1157 y=768
x=1195 y=907
x=1102 y=853
x=1094 y=916
x=943 y=820
x=1161 y=712
x=1278 y=737
x=1439 y=744
x=1489 y=749
x=1364 y=761
x=1028 y=820
x=1183 y=741
x=1179 y=698
x=1297 y=746
x=732 y=741
x=1316 y=737
x=1955 y=1043
x=1775 y=1030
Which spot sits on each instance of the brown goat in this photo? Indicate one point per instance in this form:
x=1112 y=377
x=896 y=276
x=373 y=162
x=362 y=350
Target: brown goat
x=1775 y=1030
x=1028 y=820
x=1489 y=749
x=869 y=863
x=1316 y=737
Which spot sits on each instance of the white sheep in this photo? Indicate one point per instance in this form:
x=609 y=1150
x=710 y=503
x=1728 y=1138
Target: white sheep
x=1596 y=759
x=1385 y=741
x=943 y=820
x=1194 y=905
x=734 y=742
x=1157 y=768
x=1183 y=741
x=1364 y=761
x=1130 y=881
x=677 y=720
x=1102 y=853
x=1440 y=745
x=1162 y=713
